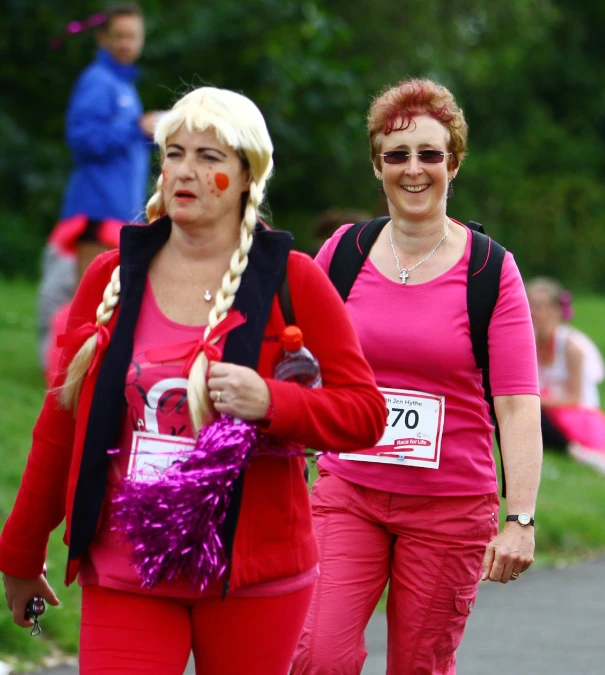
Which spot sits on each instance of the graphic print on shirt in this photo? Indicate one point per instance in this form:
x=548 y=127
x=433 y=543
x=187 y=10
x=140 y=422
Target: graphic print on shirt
x=159 y=414
x=158 y=406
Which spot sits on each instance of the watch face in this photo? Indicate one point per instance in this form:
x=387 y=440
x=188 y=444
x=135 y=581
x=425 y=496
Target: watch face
x=524 y=518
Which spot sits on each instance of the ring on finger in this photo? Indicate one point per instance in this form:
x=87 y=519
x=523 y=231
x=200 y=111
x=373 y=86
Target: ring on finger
x=218 y=396
x=514 y=575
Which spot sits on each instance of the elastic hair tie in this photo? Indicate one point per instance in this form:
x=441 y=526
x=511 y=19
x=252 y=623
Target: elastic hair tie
x=74 y=27
x=565 y=299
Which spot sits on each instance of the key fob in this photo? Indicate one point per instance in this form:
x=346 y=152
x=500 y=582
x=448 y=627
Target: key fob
x=35 y=607
x=34 y=610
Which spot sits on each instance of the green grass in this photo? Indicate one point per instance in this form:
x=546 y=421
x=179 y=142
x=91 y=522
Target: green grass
x=21 y=394
x=570 y=505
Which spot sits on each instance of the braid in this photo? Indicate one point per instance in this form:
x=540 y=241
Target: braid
x=70 y=392
x=197 y=390
x=155 y=206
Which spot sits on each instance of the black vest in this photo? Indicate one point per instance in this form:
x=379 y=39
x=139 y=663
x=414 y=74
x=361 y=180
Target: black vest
x=267 y=265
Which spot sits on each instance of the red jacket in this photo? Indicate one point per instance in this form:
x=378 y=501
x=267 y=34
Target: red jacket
x=271 y=534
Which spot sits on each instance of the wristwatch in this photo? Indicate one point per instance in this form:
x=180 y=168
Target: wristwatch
x=523 y=519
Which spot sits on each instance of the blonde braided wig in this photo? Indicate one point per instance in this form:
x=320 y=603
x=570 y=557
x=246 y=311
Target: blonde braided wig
x=70 y=392
x=239 y=124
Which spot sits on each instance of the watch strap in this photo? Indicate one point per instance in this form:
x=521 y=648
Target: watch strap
x=516 y=519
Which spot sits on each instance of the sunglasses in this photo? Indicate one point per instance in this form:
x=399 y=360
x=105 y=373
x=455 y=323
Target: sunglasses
x=425 y=156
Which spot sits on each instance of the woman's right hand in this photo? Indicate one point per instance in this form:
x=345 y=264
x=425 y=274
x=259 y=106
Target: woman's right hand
x=19 y=592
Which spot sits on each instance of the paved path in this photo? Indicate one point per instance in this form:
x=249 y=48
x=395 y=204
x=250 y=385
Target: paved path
x=550 y=622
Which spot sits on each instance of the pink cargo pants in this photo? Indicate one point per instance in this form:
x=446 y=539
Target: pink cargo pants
x=428 y=549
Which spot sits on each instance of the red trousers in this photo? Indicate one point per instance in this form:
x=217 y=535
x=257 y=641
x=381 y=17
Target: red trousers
x=428 y=549
x=127 y=633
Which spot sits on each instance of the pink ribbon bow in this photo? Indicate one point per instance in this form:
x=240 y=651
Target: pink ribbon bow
x=190 y=350
x=76 y=338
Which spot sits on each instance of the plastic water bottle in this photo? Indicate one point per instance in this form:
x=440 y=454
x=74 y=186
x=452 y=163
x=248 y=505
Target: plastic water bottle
x=297 y=363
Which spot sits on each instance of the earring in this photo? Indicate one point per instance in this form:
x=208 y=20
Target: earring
x=381 y=192
x=450 y=189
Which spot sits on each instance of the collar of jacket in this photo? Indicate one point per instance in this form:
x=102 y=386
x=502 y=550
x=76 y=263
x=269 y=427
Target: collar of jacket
x=129 y=72
x=267 y=264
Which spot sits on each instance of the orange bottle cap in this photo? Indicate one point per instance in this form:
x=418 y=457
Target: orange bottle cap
x=292 y=338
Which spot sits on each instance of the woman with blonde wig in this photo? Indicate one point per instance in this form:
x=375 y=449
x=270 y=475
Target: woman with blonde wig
x=182 y=325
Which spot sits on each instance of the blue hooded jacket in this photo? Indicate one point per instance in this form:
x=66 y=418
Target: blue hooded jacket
x=110 y=151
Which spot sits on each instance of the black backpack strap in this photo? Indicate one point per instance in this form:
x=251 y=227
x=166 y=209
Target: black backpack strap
x=483 y=289
x=351 y=252
x=285 y=301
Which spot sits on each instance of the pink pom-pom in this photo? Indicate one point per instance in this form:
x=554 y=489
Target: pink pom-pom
x=174 y=523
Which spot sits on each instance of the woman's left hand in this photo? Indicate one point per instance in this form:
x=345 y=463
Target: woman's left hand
x=509 y=554
x=238 y=391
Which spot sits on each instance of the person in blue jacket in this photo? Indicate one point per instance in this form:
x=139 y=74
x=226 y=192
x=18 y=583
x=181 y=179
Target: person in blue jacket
x=109 y=135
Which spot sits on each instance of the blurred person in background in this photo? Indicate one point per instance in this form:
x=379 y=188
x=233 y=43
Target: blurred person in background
x=329 y=221
x=84 y=239
x=419 y=511
x=110 y=137
x=179 y=327
x=570 y=368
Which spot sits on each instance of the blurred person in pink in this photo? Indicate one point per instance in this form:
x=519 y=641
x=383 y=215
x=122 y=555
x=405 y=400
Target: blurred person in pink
x=419 y=511
x=570 y=367
x=82 y=239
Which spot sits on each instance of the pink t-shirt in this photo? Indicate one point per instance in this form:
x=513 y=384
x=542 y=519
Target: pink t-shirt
x=156 y=401
x=417 y=337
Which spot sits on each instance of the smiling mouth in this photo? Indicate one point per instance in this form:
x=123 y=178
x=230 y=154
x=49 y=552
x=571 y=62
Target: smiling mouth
x=415 y=188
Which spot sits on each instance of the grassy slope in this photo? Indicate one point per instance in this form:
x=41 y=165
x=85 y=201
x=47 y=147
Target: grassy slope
x=570 y=508
x=21 y=394
x=571 y=500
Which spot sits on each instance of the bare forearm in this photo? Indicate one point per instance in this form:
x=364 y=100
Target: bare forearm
x=521 y=446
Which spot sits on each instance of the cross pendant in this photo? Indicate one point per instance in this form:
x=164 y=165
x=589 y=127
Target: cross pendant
x=403 y=275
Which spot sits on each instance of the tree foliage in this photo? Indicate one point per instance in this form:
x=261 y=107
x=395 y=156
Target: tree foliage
x=528 y=74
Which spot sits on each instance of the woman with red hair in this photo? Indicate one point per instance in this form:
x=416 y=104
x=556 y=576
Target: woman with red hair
x=419 y=511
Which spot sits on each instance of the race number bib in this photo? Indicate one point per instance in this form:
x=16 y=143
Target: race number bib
x=151 y=454
x=413 y=433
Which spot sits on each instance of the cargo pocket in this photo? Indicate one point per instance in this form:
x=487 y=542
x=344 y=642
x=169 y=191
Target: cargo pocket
x=331 y=493
x=465 y=600
x=463 y=603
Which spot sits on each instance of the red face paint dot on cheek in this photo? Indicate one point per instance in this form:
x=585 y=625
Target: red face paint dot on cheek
x=222 y=181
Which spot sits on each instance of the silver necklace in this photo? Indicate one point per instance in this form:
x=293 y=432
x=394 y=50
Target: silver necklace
x=207 y=291
x=404 y=273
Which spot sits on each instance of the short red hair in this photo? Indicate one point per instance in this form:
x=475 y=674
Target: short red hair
x=394 y=109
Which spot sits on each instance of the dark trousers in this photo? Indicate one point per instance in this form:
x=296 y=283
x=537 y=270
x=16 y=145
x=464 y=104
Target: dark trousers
x=552 y=436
